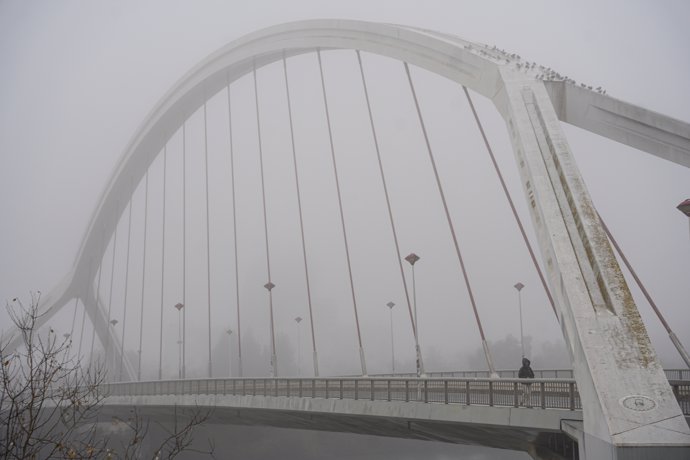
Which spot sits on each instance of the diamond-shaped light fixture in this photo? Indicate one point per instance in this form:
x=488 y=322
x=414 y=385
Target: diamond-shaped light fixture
x=412 y=258
x=390 y=305
x=298 y=319
x=269 y=286
x=684 y=207
x=519 y=286
x=179 y=306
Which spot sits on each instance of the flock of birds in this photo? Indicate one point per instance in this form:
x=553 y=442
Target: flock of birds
x=542 y=73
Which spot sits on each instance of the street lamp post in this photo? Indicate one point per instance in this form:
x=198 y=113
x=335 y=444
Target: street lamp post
x=113 y=323
x=390 y=306
x=412 y=258
x=229 y=332
x=179 y=308
x=299 y=348
x=274 y=358
x=519 y=287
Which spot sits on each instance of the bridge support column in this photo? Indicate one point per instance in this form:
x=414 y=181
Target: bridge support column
x=628 y=406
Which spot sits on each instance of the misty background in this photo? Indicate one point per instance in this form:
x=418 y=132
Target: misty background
x=78 y=78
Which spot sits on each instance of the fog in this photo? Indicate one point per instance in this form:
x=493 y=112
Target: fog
x=78 y=79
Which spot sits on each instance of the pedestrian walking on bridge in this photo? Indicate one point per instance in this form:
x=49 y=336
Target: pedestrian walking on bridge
x=526 y=372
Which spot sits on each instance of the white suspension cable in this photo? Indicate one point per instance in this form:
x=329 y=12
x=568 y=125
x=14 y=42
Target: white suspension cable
x=269 y=286
x=301 y=220
x=485 y=345
x=342 y=217
x=418 y=351
x=160 y=329
x=510 y=202
x=184 y=248
x=143 y=272
x=124 y=315
x=234 y=233
x=208 y=246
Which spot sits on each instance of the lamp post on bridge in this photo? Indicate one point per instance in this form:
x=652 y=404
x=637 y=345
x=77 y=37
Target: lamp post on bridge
x=412 y=258
x=299 y=347
x=390 y=306
x=274 y=359
x=229 y=332
x=113 y=323
x=519 y=287
x=179 y=308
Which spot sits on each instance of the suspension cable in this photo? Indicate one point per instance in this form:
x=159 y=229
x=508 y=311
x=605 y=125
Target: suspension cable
x=184 y=248
x=143 y=271
x=234 y=233
x=208 y=246
x=390 y=216
x=301 y=221
x=89 y=278
x=110 y=293
x=97 y=296
x=510 y=201
x=342 y=218
x=269 y=286
x=485 y=345
x=124 y=314
x=676 y=342
x=160 y=329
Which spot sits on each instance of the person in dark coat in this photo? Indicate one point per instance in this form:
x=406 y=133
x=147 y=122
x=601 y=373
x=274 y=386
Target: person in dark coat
x=526 y=372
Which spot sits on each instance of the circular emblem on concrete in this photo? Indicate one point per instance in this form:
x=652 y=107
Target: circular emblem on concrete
x=638 y=403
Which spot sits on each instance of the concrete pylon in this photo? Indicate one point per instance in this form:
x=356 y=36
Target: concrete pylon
x=629 y=410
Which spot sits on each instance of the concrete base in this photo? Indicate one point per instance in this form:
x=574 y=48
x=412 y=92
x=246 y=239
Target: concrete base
x=592 y=448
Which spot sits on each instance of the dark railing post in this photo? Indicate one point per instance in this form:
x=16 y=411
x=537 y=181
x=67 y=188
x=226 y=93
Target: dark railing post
x=467 y=392
x=389 y=389
x=299 y=388
x=515 y=394
x=341 y=388
x=426 y=391
x=326 y=389
x=542 y=395
x=356 y=389
x=445 y=391
x=371 y=386
x=407 y=391
x=287 y=387
x=491 y=393
x=571 y=394
x=313 y=388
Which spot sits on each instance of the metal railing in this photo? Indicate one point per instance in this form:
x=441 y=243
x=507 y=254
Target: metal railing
x=503 y=373
x=541 y=393
x=681 y=389
x=677 y=374
x=671 y=374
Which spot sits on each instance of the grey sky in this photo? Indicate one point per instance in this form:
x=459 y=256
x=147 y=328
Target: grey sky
x=77 y=79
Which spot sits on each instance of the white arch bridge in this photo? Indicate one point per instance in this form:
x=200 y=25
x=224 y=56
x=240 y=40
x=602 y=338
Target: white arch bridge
x=619 y=403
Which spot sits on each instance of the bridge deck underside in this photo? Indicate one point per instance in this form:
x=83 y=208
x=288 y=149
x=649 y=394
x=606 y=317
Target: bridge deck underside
x=498 y=427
